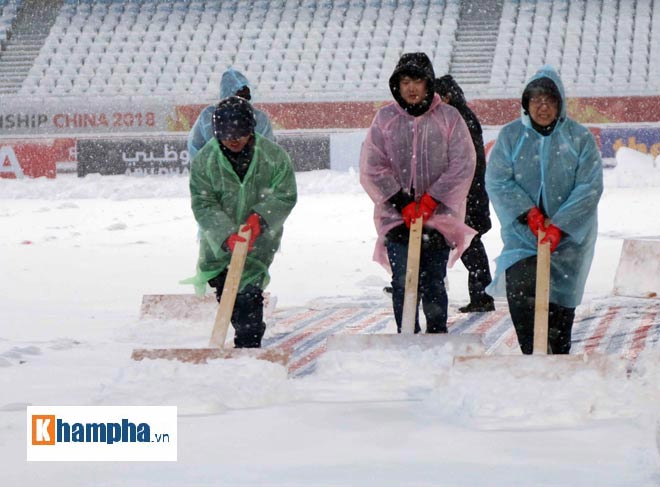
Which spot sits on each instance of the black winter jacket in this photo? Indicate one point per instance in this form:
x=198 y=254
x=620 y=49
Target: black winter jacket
x=477 y=214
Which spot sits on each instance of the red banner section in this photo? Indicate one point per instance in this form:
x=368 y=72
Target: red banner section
x=77 y=117
x=34 y=159
x=321 y=115
x=634 y=109
x=357 y=115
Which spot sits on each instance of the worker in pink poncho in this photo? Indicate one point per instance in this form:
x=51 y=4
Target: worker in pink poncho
x=418 y=161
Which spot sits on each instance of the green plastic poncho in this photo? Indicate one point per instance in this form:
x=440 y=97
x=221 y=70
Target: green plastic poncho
x=563 y=170
x=221 y=204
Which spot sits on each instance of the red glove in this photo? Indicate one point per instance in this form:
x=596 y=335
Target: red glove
x=232 y=240
x=427 y=206
x=410 y=213
x=253 y=222
x=535 y=220
x=552 y=235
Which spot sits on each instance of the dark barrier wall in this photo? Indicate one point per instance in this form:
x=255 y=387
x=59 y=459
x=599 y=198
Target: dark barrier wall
x=133 y=156
x=169 y=155
x=307 y=152
x=166 y=154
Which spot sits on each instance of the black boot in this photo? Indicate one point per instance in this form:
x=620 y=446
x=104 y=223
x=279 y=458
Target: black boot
x=478 y=306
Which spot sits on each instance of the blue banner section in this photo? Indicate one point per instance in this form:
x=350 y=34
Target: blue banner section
x=642 y=139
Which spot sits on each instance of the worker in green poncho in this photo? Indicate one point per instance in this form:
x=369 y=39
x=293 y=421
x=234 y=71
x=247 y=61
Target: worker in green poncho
x=240 y=179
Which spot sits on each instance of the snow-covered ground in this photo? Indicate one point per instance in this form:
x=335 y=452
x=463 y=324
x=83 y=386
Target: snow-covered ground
x=76 y=256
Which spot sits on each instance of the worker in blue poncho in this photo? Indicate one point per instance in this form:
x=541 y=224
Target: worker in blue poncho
x=232 y=83
x=545 y=171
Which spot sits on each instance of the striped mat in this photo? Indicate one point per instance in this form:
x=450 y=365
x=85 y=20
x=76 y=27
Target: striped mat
x=618 y=326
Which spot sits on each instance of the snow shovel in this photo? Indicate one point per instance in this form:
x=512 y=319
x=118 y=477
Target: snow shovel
x=464 y=344
x=216 y=348
x=541 y=362
x=542 y=299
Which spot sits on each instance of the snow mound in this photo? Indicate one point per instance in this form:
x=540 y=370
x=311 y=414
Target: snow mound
x=208 y=388
x=633 y=169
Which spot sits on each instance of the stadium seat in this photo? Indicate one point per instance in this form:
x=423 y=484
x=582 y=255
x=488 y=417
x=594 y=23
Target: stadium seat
x=175 y=46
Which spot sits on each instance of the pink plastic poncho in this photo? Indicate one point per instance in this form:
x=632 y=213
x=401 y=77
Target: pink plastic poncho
x=431 y=153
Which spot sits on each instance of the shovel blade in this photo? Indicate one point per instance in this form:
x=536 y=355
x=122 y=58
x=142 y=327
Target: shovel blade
x=542 y=366
x=203 y=355
x=467 y=344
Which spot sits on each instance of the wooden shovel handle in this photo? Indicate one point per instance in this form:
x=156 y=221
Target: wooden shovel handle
x=230 y=290
x=412 y=277
x=542 y=301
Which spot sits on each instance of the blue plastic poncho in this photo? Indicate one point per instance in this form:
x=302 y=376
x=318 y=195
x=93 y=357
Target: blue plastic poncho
x=202 y=131
x=562 y=173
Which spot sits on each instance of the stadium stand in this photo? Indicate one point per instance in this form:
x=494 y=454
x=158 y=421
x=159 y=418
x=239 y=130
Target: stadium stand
x=331 y=49
x=8 y=10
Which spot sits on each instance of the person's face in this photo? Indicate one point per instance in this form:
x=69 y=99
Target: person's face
x=236 y=145
x=244 y=93
x=413 y=90
x=543 y=109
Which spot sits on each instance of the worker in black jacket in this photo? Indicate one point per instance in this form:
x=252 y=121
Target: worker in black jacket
x=477 y=214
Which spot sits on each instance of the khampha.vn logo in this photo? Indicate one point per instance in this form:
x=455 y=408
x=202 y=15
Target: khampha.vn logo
x=113 y=433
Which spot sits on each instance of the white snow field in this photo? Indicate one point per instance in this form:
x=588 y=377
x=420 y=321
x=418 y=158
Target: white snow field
x=77 y=255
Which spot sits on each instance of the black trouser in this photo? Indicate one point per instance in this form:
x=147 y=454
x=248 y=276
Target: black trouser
x=520 y=293
x=475 y=261
x=431 y=290
x=247 y=317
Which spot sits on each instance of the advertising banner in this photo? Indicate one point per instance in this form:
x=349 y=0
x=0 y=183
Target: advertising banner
x=169 y=155
x=64 y=116
x=139 y=157
x=357 y=115
x=307 y=151
x=34 y=158
x=74 y=116
x=642 y=139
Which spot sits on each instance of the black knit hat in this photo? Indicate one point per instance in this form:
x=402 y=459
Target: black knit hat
x=540 y=86
x=233 y=118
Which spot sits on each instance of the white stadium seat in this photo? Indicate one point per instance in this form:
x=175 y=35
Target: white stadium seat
x=173 y=46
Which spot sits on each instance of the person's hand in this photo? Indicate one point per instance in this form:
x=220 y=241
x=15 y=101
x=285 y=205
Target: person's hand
x=232 y=240
x=552 y=235
x=427 y=206
x=399 y=200
x=410 y=213
x=535 y=220
x=253 y=223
